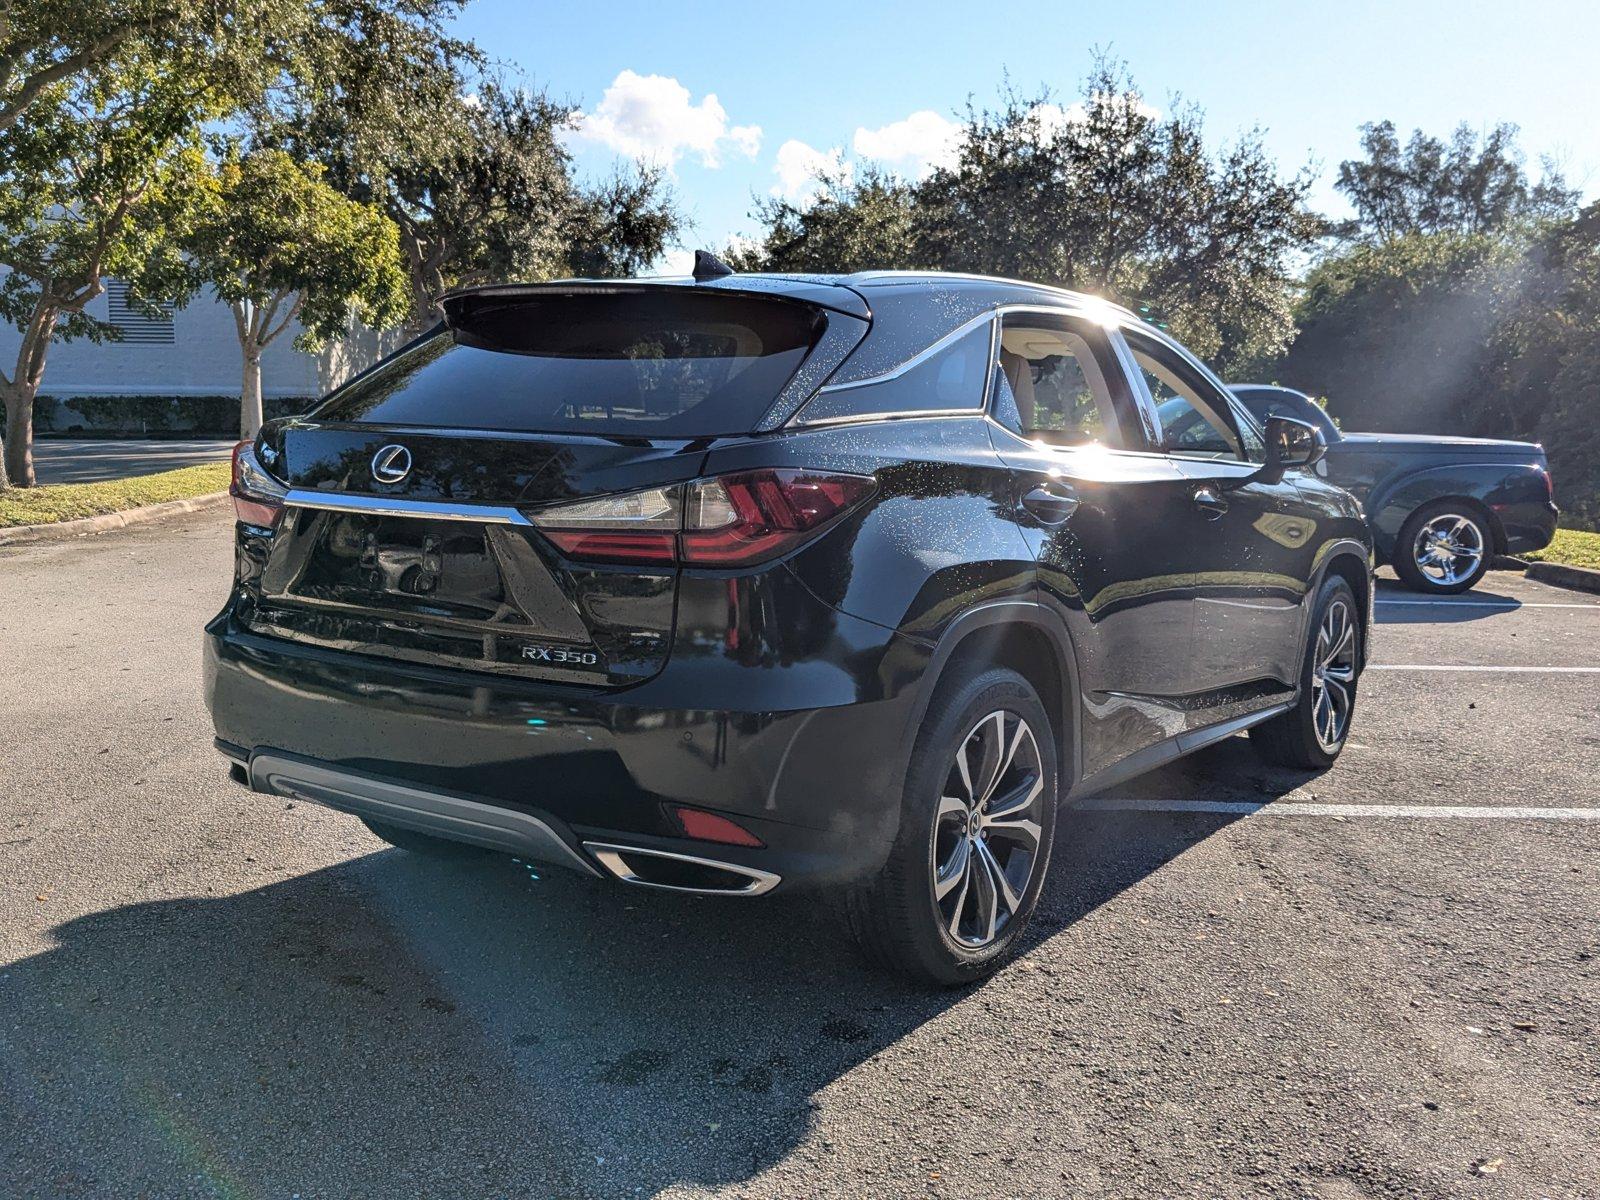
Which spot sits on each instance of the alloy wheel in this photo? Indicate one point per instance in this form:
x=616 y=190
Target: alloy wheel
x=1333 y=675
x=987 y=832
x=1448 y=549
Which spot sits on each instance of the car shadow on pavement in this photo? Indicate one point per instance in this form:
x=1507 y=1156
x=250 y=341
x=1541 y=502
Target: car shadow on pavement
x=395 y=1026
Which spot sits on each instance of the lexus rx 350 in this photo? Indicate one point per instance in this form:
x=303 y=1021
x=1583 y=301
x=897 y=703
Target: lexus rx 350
x=736 y=584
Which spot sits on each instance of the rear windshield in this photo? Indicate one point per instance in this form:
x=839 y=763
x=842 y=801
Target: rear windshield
x=655 y=364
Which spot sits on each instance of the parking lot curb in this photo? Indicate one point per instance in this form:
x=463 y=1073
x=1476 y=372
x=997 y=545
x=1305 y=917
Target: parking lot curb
x=1579 y=579
x=58 y=530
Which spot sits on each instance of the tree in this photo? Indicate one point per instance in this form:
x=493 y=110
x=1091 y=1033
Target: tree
x=98 y=181
x=242 y=47
x=474 y=173
x=1105 y=196
x=278 y=245
x=115 y=93
x=1402 y=335
x=1548 y=369
x=852 y=221
x=1431 y=186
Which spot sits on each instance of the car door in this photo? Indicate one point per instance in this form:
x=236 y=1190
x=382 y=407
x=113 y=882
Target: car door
x=1105 y=518
x=1251 y=542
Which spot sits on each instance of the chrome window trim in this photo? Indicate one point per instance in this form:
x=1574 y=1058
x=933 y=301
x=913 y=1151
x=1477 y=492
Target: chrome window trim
x=870 y=418
x=994 y=316
x=395 y=506
x=916 y=360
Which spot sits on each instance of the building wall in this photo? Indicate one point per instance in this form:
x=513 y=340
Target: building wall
x=201 y=360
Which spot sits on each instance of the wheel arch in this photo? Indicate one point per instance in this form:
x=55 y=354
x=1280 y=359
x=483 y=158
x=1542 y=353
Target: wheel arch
x=1349 y=560
x=1020 y=635
x=1419 y=489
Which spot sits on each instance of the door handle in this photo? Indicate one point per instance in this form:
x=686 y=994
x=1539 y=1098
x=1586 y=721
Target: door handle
x=1051 y=504
x=1209 y=501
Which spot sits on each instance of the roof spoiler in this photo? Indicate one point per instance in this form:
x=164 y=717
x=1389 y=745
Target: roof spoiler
x=837 y=297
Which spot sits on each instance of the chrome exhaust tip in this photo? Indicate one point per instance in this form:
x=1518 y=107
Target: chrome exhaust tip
x=681 y=872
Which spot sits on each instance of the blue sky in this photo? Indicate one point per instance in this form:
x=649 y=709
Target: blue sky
x=740 y=98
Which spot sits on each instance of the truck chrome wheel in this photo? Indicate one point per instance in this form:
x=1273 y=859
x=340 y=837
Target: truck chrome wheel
x=1448 y=549
x=986 y=835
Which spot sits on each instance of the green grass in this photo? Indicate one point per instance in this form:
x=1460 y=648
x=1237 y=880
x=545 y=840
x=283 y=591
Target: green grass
x=69 y=501
x=1573 y=547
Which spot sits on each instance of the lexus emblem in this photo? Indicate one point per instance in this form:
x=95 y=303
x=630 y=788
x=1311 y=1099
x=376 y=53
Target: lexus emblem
x=391 y=464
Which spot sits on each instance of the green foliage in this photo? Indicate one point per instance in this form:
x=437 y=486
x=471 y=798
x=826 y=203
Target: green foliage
x=1398 y=334
x=851 y=224
x=101 y=179
x=1464 y=298
x=473 y=172
x=240 y=48
x=1434 y=187
x=1106 y=197
x=1476 y=334
x=273 y=239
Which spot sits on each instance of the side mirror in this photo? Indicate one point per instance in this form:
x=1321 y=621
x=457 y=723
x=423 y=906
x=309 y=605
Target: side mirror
x=1290 y=444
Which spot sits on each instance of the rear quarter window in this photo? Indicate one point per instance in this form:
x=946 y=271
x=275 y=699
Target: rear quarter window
x=672 y=363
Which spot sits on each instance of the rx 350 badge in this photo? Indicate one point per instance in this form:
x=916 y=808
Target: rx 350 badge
x=560 y=656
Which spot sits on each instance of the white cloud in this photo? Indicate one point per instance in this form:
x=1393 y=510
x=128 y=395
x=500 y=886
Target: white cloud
x=799 y=166
x=1052 y=117
x=653 y=117
x=921 y=142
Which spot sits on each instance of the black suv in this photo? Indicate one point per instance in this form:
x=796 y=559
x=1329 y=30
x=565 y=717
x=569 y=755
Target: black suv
x=737 y=583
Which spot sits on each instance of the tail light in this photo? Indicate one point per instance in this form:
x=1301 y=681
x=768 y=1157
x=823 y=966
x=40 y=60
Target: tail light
x=725 y=521
x=257 y=496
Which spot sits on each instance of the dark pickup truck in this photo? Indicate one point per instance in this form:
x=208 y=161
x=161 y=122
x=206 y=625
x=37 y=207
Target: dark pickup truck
x=1440 y=508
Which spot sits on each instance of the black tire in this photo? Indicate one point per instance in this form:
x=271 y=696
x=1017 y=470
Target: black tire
x=1473 y=532
x=896 y=917
x=424 y=844
x=1298 y=738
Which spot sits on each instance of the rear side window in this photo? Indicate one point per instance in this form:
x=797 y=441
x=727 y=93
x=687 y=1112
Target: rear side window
x=948 y=377
x=672 y=363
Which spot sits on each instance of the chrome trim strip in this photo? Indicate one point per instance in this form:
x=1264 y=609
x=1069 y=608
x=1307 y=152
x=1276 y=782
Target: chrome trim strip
x=396 y=506
x=915 y=360
x=610 y=857
x=864 y=418
x=436 y=813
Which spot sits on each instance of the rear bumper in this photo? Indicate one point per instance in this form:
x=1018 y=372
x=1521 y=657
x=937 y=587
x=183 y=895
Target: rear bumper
x=1528 y=526
x=559 y=775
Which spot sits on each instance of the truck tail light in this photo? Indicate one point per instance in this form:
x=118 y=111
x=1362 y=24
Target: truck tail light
x=732 y=520
x=257 y=496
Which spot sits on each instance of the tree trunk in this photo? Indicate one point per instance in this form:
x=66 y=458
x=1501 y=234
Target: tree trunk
x=5 y=476
x=250 y=414
x=19 y=436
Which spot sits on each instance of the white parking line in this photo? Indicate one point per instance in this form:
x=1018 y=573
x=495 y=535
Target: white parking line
x=1508 y=607
x=1291 y=808
x=1511 y=670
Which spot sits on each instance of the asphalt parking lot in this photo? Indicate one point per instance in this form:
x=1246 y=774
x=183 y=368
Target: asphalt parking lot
x=1383 y=981
x=90 y=460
